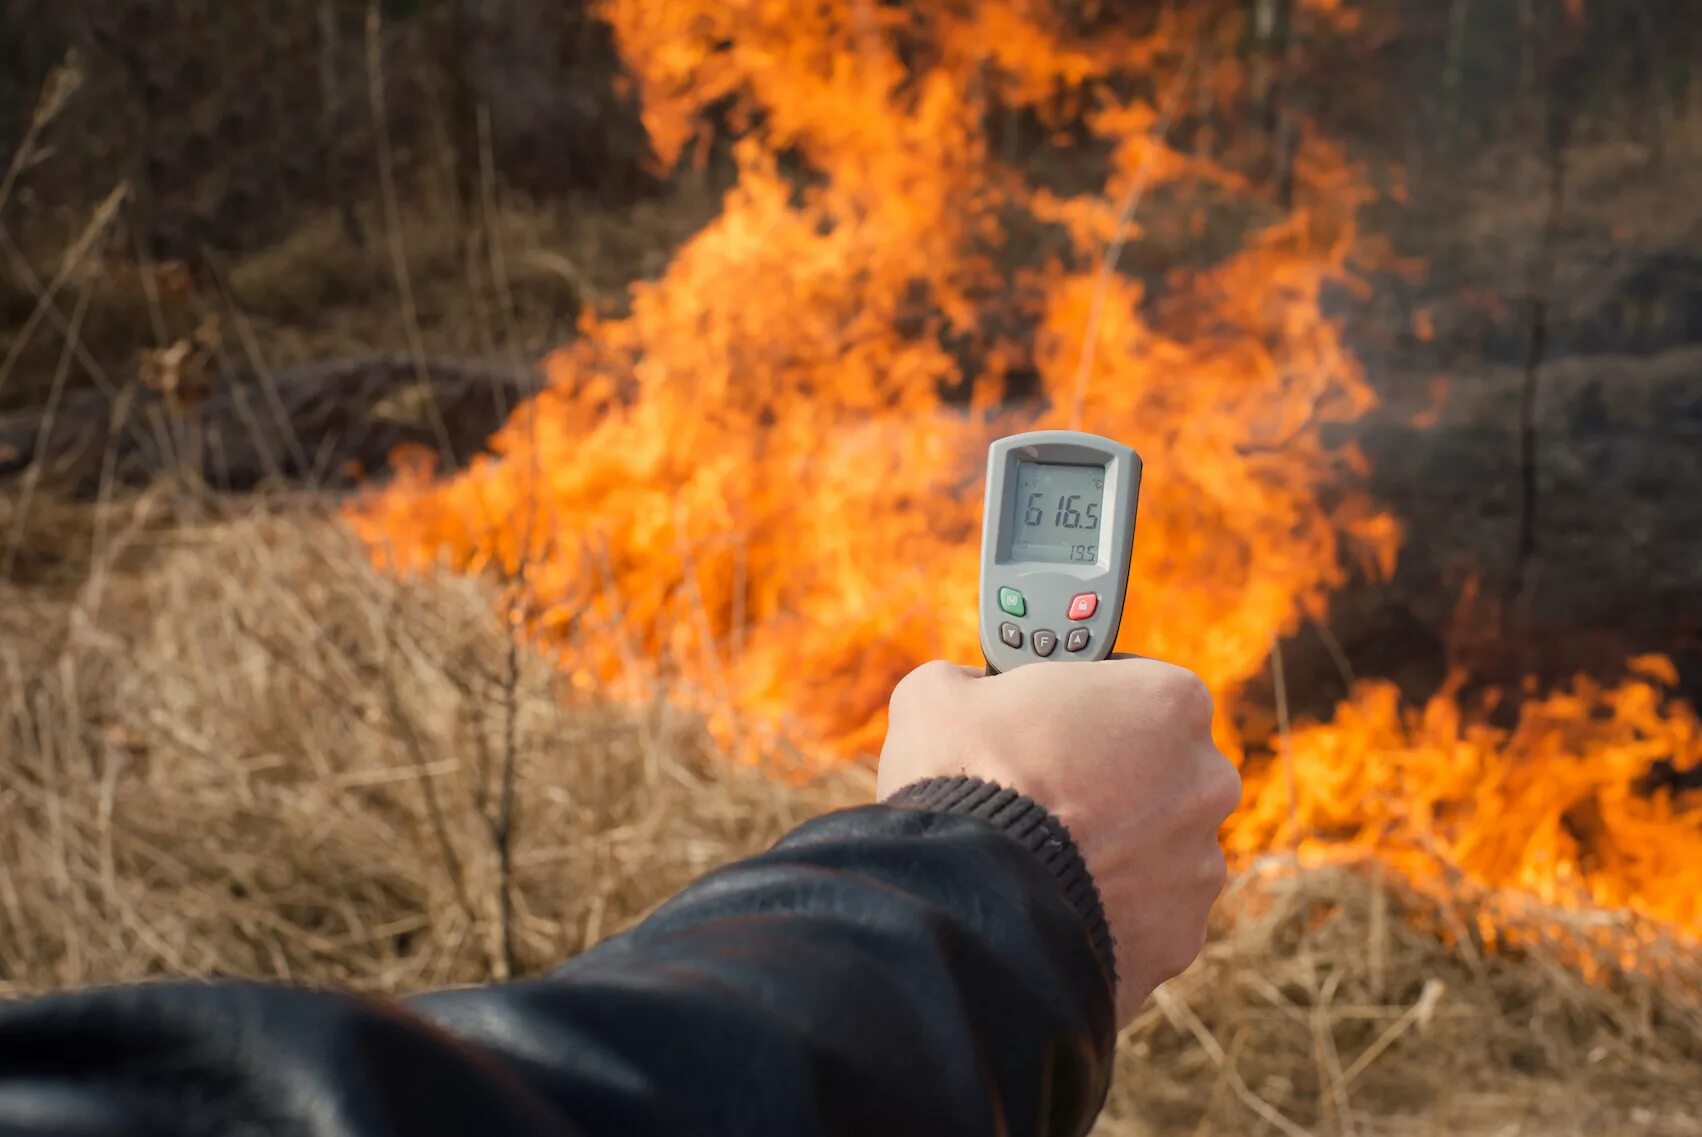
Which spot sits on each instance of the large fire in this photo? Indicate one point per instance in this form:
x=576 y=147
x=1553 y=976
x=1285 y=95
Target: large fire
x=759 y=488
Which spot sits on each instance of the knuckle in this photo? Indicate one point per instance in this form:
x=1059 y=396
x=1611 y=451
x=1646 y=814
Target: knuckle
x=1190 y=698
x=1214 y=870
x=1223 y=786
x=919 y=687
x=1214 y=790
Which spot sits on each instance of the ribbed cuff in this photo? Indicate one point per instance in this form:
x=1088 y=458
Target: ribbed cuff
x=1036 y=830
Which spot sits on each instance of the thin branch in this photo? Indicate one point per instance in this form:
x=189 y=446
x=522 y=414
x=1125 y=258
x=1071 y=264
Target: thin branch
x=1333 y=646
x=516 y=609
x=62 y=83
x=68 y=264
x=393 y=225
x=1420 y=1012
x=1279 y=682
x=502 y=827
x=265 y=378
x=1182 y=1015
x=32 y=476
x=428 y=787
x=61 y=323
x=1559 y=129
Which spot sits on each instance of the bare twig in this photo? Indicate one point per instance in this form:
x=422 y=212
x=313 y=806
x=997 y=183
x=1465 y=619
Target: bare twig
x=1558 y=137
x=1284 y=739
x=502 y=825
x=1344 y=667
x=264 y=377
x=72 y=259
x=32 y=476
x=393 y=225
x=1183 y=1016
x=331 y=117
x=61 y=323
x=495 y=249
x=150 y=286
x=420 y=763
x=1326 y=1056
x=62 y=83
x=1421 y=1012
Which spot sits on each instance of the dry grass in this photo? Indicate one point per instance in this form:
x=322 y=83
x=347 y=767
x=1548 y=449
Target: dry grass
x=1324 y=999
x=313 y=294
x=261 y=758
x=511 y=288
x=234 y=749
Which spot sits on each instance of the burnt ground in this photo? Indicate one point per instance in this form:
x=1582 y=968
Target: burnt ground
x=1578 y=545
x=1614 y=565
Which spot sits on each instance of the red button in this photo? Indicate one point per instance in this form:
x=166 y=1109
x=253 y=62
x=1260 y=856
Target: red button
x=1083 y=605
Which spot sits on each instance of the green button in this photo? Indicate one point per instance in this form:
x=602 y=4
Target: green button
x=1011 y=601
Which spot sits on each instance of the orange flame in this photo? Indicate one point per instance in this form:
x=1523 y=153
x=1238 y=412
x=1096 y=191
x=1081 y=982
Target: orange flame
x=757 y=487
x=1548 y=808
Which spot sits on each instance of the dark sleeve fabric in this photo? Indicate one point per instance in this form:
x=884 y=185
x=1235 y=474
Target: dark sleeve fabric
x=935 y=966
x=1036 y=830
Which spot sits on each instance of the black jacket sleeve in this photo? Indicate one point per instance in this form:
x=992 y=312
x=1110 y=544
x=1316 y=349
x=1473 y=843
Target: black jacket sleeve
x=938 y=966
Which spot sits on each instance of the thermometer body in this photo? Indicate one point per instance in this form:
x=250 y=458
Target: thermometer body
x=1057 y=535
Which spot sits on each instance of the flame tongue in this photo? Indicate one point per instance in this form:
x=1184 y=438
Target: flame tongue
x=786 y=460
x=1548 y=808
x=755 y=487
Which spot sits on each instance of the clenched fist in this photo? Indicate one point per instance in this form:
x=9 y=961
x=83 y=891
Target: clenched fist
x=1121 y=752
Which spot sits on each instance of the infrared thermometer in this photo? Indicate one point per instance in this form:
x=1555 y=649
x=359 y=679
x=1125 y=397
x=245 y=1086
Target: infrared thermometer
x=1057 y=536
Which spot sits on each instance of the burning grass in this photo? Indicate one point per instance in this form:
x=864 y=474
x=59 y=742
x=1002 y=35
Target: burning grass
x=844 y=348
x=769 y=467
x=243 y=751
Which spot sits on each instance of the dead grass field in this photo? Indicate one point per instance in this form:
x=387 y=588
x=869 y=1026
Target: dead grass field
x=234 y=749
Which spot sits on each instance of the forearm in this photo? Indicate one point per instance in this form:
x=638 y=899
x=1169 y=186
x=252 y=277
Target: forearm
x=884 y=971
x=880 y=971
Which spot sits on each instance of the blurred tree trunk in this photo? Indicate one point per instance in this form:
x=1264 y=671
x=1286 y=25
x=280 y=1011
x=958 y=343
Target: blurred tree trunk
x=331 y=119
x=1454 y=66
x=1527 y=47
x=1276 y=58
x=131 y=64
x=1264 y=23
x=1205 y=98
x=1566 y=89
x=1285 y=131
x=459 y=47
x=1649 y=117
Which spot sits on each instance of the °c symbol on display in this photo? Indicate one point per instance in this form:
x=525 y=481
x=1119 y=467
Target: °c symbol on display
x=1099 y=483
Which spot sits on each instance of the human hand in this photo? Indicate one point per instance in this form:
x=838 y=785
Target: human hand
x=1120 y=752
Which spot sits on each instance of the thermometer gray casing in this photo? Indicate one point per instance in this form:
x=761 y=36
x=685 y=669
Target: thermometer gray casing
x=1046 y=619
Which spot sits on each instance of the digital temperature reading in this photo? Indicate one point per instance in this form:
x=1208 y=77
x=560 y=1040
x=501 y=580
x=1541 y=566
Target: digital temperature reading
x=1059 y=509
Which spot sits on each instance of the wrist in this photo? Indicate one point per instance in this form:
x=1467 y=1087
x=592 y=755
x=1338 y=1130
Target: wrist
x=1028 y=823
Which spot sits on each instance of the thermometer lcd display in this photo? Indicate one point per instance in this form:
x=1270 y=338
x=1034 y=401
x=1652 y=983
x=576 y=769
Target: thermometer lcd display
x=1058 y=511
